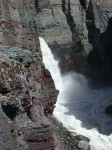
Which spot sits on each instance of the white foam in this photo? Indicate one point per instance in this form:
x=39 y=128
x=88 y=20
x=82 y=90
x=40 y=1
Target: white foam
x=79 y=109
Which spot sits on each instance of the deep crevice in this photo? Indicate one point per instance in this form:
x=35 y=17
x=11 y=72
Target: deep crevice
x=83 y=3
x=10 y=111
x=68 y=15
x=76 y=45
x=99 y=59
x=37 y=7
x=94 y=59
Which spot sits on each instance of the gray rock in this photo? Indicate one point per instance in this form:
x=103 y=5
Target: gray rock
x=6 y=141
x=83 y=145
x=81 y=137
x=4 y=86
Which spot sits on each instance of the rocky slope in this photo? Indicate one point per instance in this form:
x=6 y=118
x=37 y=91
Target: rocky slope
x=79 y=34
x=27 y=91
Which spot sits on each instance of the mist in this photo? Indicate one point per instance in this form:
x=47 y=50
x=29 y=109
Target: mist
x=80 y=109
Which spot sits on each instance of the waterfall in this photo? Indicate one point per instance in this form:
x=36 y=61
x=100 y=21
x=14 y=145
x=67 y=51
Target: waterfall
x=80 y=109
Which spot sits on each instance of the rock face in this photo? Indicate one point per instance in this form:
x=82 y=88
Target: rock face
x=6 y=141
x=27 y=91
x=63 y=26
x=25 y=98
x=98 y=15
x=79 y=34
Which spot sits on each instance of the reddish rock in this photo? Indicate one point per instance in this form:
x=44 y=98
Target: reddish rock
x=47 y=73
x=41 y=141
x=25 y=84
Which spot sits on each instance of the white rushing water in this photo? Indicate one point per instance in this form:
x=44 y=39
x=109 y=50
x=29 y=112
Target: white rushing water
x=81 y=110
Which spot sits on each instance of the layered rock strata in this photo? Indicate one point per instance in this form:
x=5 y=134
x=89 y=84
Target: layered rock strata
x=27 y=91
x=79 y=34
x=63 y=26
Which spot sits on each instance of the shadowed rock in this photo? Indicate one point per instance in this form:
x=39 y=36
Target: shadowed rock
x=109 y=110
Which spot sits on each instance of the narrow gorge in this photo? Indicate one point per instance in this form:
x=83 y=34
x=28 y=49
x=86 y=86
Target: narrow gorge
x=78 y=107
x=55 y=75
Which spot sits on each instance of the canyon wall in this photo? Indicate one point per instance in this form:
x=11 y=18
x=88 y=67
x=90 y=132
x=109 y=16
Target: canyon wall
x=62 y=24
x=79 y=34
x=27 y=91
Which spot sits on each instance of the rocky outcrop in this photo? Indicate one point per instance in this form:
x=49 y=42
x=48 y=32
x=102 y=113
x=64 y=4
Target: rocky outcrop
x=77 y=32
x=27 y=91
x=27 y=101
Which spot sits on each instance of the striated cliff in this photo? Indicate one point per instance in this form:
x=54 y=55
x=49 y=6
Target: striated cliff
x=27 y=91
x=63 y=26
x=26 y=87
x=79 y=34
